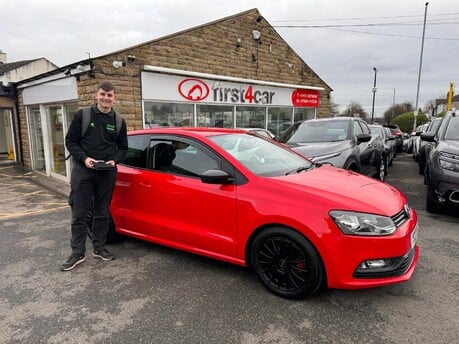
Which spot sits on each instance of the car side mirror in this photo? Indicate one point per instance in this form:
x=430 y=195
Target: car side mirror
x=429 y=137
x=363 y=138
x=216 y=177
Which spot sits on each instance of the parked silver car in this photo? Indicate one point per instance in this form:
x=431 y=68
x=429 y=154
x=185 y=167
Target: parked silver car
x=344 y=142
x=417 y=139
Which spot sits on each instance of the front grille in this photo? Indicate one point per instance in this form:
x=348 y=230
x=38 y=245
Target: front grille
x=398 y=267
x=402 y=216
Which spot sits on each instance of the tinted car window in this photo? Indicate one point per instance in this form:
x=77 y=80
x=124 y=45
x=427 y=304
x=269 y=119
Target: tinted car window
x=452 y=132
x=137 y=150
x=180 y=157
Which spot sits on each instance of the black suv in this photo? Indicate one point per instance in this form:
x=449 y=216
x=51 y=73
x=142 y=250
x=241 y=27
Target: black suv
x=442 y=164
x=425 y=146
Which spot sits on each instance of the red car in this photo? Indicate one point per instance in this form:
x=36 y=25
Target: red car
x=237 y=197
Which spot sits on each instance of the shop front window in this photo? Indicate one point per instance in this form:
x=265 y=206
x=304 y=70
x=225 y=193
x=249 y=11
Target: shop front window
x=214 y=116
x=303 y=114
x=36 y=138
x=159 y=114
x=279 y=119
x=250 y=117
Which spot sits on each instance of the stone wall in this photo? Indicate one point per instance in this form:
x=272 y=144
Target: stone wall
x=211 y=48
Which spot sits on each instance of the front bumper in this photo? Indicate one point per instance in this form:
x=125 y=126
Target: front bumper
x=348 y=253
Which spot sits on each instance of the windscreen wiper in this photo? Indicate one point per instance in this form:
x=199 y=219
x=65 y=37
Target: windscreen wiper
x=300 y=169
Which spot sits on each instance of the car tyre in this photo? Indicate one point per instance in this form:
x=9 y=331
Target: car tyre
x=286 y=263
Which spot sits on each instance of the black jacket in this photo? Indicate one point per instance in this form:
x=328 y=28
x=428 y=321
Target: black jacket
x=100 y=141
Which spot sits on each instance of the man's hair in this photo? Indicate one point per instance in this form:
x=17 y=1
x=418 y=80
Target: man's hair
x=106 y=86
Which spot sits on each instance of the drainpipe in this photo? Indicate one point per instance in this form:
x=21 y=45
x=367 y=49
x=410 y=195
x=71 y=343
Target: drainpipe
x=18 y=121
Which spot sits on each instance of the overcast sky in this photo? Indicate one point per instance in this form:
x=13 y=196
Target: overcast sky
x=387 y=36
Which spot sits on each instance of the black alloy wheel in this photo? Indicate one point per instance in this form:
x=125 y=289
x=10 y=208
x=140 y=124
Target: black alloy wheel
x=286 y=263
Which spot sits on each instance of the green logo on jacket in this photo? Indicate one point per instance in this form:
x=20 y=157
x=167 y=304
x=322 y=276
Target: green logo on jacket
x=110 y=128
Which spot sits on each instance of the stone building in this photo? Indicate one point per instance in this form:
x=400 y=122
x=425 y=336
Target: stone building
x=233 y=72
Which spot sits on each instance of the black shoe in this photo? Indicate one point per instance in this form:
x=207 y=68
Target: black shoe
x=103 y=254
x=73 y=261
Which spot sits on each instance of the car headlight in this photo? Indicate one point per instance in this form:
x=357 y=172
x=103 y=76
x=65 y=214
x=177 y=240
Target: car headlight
x=448 y=162
x=354 y=223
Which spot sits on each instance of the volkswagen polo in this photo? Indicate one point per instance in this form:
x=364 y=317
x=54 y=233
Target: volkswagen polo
x=237 y=197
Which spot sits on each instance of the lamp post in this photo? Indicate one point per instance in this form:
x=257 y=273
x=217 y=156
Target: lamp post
x=374 y=94
x=420 y=66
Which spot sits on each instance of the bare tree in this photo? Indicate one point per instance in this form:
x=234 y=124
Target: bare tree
x=334 y=109
x=355 y=109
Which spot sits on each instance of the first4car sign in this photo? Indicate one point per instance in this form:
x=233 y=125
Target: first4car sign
x=180 y=88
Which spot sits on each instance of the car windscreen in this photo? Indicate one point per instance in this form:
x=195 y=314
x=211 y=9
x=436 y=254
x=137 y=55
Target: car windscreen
x=259 y=155
x=377 y=131
x=317 y=131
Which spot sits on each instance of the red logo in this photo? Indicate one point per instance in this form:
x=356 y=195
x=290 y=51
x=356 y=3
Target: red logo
x=193 y=89
x=305 y=98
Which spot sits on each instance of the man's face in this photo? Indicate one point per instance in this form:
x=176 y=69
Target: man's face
x=105 y=99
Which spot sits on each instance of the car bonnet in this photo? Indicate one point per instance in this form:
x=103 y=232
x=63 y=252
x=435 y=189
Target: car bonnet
x=342 y=189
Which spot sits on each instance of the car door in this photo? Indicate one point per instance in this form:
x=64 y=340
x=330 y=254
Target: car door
x=175 y=206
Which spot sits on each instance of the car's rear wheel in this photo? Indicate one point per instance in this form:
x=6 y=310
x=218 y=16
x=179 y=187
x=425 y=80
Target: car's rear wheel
x=286 y=263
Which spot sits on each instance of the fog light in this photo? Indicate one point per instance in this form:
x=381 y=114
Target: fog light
x=375 y=264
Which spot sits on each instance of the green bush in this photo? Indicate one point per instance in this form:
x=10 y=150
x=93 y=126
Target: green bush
x=406 y=120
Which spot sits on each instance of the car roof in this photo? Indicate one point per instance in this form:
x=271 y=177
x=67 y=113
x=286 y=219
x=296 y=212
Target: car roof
x=191 y=131
x=343 y=118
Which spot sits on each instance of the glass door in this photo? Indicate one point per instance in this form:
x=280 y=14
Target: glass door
x=56 y=137
x=36 y=139
x=7 y=147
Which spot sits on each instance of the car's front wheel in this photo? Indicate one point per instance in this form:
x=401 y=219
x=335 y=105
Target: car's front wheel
x=286 y=263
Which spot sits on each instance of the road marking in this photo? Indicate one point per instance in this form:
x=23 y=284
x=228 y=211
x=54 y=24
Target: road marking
x=27 y=213
x=13 y=185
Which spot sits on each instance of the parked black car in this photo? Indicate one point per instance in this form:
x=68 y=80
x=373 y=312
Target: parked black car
x=395 y=131
x=442 y=164
x=425 y=146
x=344 y=142
x=390 y=150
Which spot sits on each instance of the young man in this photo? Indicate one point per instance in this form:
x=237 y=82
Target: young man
x=100 y=143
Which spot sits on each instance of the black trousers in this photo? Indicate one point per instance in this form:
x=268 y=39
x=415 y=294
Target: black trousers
x=90 y=188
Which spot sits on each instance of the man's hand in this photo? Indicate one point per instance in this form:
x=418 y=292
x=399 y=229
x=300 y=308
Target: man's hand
x=90 y=162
